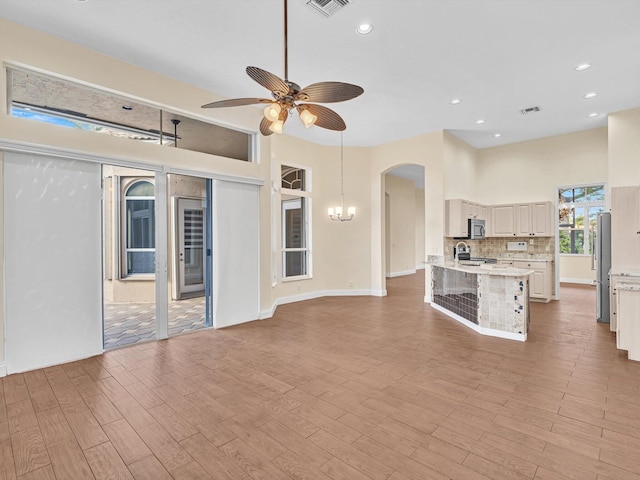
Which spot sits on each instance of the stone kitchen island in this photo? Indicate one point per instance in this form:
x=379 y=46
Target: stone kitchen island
x=490 y=299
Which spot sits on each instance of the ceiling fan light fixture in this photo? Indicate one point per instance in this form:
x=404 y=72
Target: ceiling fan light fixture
x=308 y=118
x=272 y=112
x=276 y=127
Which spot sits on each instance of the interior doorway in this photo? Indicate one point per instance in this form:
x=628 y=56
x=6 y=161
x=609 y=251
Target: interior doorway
x=189 y=274
x=189 y=305
x=404 y=221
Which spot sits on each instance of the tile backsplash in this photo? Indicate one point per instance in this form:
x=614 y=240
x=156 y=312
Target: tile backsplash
x=497 y=246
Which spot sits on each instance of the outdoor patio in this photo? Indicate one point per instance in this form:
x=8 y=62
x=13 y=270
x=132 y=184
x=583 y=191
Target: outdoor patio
x=129 y=323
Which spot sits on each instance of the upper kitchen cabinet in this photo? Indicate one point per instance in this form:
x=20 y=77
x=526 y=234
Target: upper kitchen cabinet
x=534 y=219
x=503 y=220
x=625 y=228
x=458 y=212
x=522 y=220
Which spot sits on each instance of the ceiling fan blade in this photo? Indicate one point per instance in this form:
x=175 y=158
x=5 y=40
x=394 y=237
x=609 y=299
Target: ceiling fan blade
x=329 y=92
x=264 y=127
x=327 y=118
x=268 y=80
x=236 y=102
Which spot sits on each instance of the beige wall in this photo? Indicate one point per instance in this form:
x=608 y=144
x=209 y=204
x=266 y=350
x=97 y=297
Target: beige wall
x=576 y=269
x=419 y=222
x=460 y=169
x=401 y=225
x=531 y=171
x=426 y=150
x=624 y=148
x=2 y=338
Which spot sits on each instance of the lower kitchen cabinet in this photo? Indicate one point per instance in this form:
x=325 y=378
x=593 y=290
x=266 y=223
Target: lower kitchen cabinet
x=628 y=325
x=614 y=281
x=540 y=281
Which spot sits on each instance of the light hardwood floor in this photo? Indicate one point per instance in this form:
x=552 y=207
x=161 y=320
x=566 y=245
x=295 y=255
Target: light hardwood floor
x=338 y=388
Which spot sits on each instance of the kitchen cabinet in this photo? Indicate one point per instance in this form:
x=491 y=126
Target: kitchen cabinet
x=503 y=220
x=614 y=281
x=625 y=228
x=457 y=214
x=540 y=281
x=534 y=219
x=522 y=220
x=628 y=327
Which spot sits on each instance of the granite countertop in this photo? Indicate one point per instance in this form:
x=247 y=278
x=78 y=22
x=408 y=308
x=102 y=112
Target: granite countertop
x=526 y=257
x=627 y=273
x=486 y=269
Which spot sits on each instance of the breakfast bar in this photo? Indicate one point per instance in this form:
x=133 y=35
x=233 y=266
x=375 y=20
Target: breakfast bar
x=490 y=299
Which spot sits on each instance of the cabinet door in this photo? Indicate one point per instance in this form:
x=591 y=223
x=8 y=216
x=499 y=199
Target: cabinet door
x=483 y=214
x=625 y=228
x=537 y=284
x=503 y=221
x=454 y=226
x=523 y=225
x=540 y=280
x=542 y=219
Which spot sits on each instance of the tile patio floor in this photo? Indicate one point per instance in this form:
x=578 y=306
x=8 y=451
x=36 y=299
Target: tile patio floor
x=129 y=323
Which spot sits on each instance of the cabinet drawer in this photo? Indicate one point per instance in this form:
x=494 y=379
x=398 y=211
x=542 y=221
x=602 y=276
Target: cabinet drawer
x=533 y=265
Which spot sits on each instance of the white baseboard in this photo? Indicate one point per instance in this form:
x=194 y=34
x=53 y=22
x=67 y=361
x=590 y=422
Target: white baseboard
x=400 y=274
x=268 y=313
x=3 y=370
x=420 y=267
x=481 y=330
x=581 y=281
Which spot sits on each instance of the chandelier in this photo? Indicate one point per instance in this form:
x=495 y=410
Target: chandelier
x=337 y=213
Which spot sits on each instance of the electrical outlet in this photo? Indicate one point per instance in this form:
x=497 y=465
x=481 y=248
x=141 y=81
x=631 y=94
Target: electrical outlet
x=351 y=283
x=531 y=241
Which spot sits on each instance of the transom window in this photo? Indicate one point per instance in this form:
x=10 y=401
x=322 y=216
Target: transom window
x=49 y=99
x=578 y=208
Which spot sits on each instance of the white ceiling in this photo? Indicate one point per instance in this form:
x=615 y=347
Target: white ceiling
x=498 y=56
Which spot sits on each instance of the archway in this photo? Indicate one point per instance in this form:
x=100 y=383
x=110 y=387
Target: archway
x=402 y=221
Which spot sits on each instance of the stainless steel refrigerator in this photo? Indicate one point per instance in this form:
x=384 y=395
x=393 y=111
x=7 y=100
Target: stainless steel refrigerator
x=602 y=260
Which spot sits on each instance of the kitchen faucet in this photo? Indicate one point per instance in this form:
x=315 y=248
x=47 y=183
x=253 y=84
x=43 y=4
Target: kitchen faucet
x=457 y=250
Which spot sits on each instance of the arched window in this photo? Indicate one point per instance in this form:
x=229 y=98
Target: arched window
x=140 y=228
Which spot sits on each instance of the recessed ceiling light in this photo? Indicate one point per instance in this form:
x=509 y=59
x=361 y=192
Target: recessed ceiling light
x=594 y=114
x=497 y=135
x=583 y=66
x=591 y=95
x=364 y=28
x=480 y=121
x=455 y=101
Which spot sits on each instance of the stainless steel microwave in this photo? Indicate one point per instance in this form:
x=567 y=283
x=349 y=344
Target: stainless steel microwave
x=476 y=229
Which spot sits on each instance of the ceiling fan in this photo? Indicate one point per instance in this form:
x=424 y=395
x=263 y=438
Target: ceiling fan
x=288 y=96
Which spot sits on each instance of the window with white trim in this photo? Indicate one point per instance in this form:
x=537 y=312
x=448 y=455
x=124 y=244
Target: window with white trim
x=295 y=217
x=139 y=229
x=578 y=208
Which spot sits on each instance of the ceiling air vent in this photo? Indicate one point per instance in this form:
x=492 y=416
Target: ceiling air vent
x=327 y=7
x=527 y=111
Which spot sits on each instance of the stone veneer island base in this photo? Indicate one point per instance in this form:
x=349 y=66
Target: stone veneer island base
x=490 y=299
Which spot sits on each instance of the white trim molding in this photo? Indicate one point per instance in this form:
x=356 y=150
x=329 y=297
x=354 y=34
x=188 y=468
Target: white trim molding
x=580 y=281
x=400 y=274
x=481 y=330
x=3 y=370
x=268 y=313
